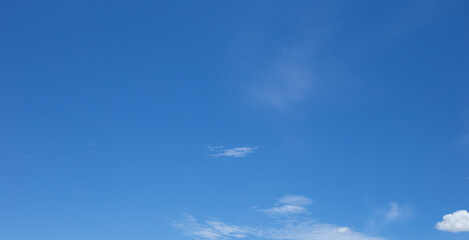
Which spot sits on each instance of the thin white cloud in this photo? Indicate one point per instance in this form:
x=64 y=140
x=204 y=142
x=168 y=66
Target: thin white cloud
x=297 y=200
x=285 y=228
x=455 y=222
x=212 y=230
x=237 y=152
x=286 y=84
x=392 y=213
x=397 y=212
x=288 y=230
x=285 y=209
x=343 y=229
x=310 y=230
x=228 y=230
x=289 y=204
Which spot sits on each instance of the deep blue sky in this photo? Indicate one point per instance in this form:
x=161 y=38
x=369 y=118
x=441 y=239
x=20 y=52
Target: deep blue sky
x=168 y=119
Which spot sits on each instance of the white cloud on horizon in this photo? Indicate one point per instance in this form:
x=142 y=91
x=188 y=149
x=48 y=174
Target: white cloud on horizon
x=455 y=222
x=237 y=152
x=285 y=229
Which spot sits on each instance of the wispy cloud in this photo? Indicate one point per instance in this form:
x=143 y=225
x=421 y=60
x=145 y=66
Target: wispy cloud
x=464 y=140
x=288 y=82
x=299 y=230
x=290 y=204
x=237 y=152
x=396 y=212
x=415 y=15
x=211 y=230
x=285 y=229
x=309 y=230
x=392 y=213
x=455 y=222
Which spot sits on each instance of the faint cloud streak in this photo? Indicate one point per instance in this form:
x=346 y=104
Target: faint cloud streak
x=211 y=230
x=237 y=152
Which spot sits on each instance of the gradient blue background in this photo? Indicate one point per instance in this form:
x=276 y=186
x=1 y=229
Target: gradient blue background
x=107 y=109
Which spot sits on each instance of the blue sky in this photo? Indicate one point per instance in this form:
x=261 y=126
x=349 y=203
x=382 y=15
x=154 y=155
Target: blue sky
x=216 y=120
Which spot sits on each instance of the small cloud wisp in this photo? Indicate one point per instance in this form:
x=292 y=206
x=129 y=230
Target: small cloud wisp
x=397 y=212
x=237 y=152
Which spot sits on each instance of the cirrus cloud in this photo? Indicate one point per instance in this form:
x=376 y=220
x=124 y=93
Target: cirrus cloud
x=286 y=228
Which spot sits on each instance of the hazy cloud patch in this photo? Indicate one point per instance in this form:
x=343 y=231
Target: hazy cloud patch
x=396 y=212
x=392 y=213
x=286 y=83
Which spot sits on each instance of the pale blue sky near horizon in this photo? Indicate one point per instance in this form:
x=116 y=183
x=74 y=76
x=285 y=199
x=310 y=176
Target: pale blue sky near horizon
x=295 y=120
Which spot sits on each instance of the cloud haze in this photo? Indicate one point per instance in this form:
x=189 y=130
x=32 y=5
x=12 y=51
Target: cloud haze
x=288 y=82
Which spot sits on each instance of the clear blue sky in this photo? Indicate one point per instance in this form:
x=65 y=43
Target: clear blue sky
x=223 y=119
